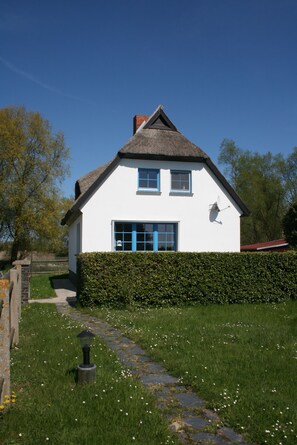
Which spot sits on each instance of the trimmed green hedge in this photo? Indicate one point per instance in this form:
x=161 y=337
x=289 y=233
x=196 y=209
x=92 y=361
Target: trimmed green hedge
x=159 y=279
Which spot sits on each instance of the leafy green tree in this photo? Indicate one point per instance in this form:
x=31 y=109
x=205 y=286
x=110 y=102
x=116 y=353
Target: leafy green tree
x=33 y=163
x=266 y=183
x=290 y=225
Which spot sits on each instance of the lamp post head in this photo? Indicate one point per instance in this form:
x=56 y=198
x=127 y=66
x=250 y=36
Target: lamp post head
x=86 y=338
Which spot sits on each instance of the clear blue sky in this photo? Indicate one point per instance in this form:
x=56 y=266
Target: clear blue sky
x=221 y=69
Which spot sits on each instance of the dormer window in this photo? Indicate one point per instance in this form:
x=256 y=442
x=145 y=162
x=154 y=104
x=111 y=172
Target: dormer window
x=181 y=181
x=149 y=180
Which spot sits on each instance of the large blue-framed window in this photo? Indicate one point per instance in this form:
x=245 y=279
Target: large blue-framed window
x=145 y=237
x=181 y=181
x=149 y=179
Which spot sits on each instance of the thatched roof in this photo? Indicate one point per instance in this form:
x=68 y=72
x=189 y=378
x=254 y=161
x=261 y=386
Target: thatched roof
x=160 y=144
x=158 y=139
x=85 y=182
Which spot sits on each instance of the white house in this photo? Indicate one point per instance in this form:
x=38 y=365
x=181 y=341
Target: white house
x=159 y=193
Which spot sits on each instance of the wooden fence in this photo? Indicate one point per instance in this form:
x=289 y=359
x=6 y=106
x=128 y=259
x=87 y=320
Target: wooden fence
x=56 y=265
x=11 y=297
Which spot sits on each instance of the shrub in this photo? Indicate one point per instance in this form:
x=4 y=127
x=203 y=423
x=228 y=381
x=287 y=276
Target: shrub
x=160 y=279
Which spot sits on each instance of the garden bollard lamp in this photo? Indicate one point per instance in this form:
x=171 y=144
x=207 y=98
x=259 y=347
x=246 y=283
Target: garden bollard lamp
x=86 y=371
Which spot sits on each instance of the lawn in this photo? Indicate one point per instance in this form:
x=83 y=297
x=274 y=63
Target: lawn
x=41 y=285
x=49 y=407
x=242 y=359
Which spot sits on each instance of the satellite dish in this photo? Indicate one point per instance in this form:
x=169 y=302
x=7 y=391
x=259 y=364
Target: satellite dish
x=215 y=207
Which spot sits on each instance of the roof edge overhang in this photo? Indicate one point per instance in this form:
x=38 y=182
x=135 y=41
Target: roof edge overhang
x=160 y=157
x=71 y=216
x=75 y=211
x=228 y=187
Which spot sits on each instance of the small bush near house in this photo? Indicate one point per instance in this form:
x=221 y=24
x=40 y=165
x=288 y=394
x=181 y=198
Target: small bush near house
x=162 y=279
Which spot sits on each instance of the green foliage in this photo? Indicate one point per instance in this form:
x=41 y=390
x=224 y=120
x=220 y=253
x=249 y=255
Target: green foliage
x=290 y=225
x=266 y=183
x=32 y=166
x=185 y=278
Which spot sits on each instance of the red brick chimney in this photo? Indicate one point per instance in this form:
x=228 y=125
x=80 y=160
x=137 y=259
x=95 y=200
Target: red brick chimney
x=138 y=120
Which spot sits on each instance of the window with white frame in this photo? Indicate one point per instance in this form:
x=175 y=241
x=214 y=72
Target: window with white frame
x=149 y=179
x=181 y=181
x=145 y=237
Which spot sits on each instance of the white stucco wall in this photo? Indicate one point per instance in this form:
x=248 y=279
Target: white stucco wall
x=75 y=244
x=117 y=200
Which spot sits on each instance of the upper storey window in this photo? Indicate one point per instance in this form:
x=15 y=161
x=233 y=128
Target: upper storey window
x=181 y=181
x=149 y=179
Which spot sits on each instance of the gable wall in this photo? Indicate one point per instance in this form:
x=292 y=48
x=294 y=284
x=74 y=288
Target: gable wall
x=117 y=200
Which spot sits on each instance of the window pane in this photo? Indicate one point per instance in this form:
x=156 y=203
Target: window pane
x=148 y=227
x=180 y=181
x=127 y=237
x=148 y=178
x=149 y=247
x=170 y=228
x=127 y=227
x=127 y=246
x=162 y=237
x=140 y=247
x=140 y=237
x=149 y=237
x=140 y=227
x=175 y=185
x=152 y=174
x=118 y=227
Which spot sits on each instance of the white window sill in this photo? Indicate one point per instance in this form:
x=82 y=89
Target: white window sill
x=148 y=192
x=181 y=194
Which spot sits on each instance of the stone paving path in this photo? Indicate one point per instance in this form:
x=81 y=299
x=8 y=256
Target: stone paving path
x=185 y=411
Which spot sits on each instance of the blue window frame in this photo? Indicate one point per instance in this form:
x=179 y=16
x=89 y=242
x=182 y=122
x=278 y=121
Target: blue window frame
x=149 y=179
x=181 y=181
x=145 y=237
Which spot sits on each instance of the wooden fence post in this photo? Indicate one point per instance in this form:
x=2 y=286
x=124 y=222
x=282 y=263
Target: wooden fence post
x=4 y=341
x=15 y=305
x=23 y=268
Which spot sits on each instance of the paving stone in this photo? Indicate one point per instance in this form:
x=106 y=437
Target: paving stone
x=158 y=379
x=164 y=393
x=137 y=350
x=143 y=358
x=153 y=368
x=126 y=341
x=114 y=346
x=189 y=400
x=208 y=439
x=198 y=423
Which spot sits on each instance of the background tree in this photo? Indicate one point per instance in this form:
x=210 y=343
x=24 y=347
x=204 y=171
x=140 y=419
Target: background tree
x=290 y=225
x=32 y=167
x=266 y=183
